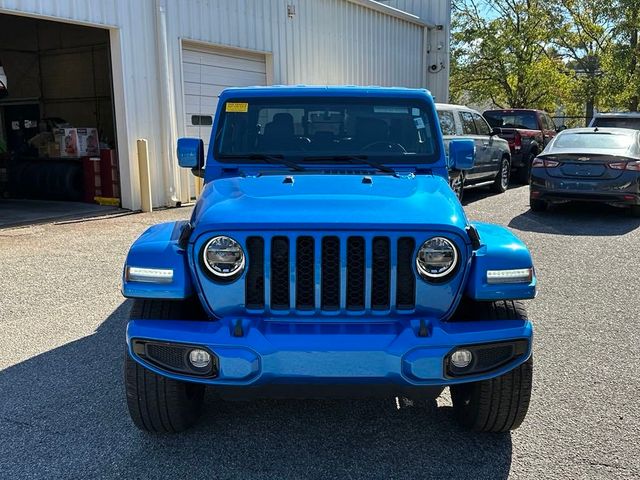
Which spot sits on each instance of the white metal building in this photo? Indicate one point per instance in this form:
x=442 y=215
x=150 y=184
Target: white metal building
x=169 y=59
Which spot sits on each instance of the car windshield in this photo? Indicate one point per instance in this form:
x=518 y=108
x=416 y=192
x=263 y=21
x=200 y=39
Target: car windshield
x=525 y=120
x=602 y=140
x=617 y=122
x=342 y=129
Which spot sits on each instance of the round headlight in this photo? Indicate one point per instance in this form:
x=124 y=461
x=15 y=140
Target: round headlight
x=223 y=256
x=436 y=258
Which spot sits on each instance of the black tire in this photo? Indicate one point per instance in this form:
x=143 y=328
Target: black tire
x=501 y=182
x=523 y=174
x=538 y=205
x=457 y=185
x=158 y=404
x=499 y=404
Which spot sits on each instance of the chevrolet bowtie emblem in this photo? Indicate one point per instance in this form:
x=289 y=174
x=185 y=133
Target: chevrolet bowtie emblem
x=583 y=159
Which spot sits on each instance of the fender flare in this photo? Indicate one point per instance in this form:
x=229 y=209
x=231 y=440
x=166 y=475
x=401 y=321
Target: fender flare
x=499 y=249
x=159 y=247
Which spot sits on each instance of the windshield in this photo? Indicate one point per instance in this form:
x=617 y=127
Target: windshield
x=609 y=141
x=309 y=130
x=618 y=122
x=525 y=120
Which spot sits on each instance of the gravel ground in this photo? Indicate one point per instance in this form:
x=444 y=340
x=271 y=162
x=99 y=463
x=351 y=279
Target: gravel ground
x=63 y=413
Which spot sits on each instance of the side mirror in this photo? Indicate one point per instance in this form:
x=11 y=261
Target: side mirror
x=496 y=131
x=462 y=154
x=191 y=153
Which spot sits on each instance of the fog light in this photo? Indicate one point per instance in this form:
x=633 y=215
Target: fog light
x=461 y=358
x=199 y=358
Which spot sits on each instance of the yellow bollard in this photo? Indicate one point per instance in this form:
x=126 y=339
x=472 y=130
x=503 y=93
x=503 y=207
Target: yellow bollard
x=145 y=178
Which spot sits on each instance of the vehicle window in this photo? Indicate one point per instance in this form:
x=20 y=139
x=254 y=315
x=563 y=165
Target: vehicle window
x=468 y=125
x=447 y=122
x=481 y=125
x=278 y=116
x=605 y=140
x=620 y=122
x=393 y=129
x=524 y=120
x=550 y=122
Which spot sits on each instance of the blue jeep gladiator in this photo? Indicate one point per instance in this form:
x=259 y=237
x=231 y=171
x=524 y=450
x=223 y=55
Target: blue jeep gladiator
x=327 y=256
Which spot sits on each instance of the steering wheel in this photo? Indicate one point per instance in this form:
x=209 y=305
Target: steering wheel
x=394 y=147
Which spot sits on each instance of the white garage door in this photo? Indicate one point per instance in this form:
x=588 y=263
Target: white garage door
x=206 y=73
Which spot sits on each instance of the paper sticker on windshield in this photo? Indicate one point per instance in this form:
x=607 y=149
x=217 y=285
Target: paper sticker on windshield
x=390 y=109
x=237 y=107
x=419 y=123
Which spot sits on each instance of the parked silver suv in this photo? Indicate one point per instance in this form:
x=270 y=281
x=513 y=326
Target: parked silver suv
x=493 y=158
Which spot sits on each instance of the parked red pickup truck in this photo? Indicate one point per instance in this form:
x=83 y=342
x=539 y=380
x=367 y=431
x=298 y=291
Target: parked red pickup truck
x=527 y=131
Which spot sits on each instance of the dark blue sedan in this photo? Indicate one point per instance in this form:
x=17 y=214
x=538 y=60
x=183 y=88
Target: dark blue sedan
x=588 y=164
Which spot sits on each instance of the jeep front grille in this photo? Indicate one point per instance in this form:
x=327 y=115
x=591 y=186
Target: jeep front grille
x=330 y=274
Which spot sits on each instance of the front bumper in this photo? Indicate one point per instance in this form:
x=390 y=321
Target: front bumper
x=349 y=353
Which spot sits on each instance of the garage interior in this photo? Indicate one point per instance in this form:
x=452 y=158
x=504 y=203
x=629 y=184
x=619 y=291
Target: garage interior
x=57 y=130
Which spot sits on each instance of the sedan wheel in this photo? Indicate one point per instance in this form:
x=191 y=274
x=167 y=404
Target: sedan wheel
x=501 y=182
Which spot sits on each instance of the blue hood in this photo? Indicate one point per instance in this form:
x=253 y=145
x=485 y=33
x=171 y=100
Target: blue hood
x=421 y=202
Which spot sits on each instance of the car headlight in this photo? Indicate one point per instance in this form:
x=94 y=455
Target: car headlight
x=223 y=257
x=437 y=258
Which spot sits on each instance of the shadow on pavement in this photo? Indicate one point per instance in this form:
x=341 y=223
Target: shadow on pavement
x=63 y=414
x=577 y=219
x=24 y=212
x=475 y=194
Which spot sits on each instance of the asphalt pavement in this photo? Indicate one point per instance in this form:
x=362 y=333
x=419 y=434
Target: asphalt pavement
x=63 y=411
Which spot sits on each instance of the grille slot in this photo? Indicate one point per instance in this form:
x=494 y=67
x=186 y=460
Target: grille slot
x=254 y=294
x=381 y=273
x=279 y=273
x=356 y=265
x=330 y=275
x=406 y=281
x=330 y=268
x=305 y=274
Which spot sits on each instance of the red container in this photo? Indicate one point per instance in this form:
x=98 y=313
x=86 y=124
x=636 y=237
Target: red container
x=109 y=177
x=91 y=177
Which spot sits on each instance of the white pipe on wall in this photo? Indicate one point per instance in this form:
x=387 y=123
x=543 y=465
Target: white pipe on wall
x=167 y=109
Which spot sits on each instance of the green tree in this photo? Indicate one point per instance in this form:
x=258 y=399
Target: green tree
x=583 y=37
x=622 y=62
x=502 y=51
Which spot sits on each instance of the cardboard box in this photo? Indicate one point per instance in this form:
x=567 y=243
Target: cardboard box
x=43 y=151
x=88 y=142
x=53 y=150
x=67 y=140
x=77 y=142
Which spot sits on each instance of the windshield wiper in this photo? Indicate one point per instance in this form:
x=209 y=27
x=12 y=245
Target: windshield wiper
x=272 y=159
x=354 y=159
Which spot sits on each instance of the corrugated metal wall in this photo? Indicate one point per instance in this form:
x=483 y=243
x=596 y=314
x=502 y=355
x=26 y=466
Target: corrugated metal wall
x=325 y=42
x=437 y=12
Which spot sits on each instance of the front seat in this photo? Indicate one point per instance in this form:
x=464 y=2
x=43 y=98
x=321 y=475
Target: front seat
x=279 y=133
